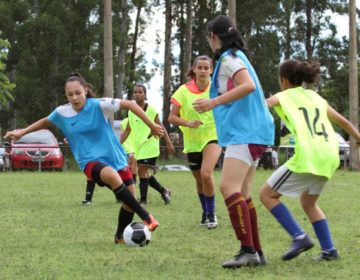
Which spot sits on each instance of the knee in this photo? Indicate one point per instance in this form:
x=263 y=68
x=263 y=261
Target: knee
x=206 y=176
x=307 y=205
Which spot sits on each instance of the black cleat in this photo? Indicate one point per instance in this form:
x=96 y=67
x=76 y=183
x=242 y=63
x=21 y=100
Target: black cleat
x=328 y=256
x=298 y=246
x=166 y=196
x=242 y=259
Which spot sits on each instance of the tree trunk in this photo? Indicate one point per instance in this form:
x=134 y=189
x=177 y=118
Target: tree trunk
x=232 y=11
x=287 y=8
x=167 y=64
x=134 y=48
x=188 y=38
x=122 y=51
x=308 y=45
x=108 y=57
x=353 y=83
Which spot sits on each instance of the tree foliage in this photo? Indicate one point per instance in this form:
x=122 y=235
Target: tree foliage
x=5 y=86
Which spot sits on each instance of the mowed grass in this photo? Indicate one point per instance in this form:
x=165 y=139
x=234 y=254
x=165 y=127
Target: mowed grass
x=46 y=234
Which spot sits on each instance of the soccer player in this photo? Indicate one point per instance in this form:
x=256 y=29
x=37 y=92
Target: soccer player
x=146 y=146
x=244 y=127
x=308 y=116
x=199 y=132
x=85 y=122
x=127 y=145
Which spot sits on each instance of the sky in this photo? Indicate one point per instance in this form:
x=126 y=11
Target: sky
x=154 y=90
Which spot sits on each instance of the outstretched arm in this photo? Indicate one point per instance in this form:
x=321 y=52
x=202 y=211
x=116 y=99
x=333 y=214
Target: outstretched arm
x=18 y=133
x=156 y=130
x=344 y=123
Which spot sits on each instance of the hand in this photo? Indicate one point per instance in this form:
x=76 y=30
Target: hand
x=194 y=123
x=157 y=130
x=170 y=148
x=204 y=105
x=14 y=134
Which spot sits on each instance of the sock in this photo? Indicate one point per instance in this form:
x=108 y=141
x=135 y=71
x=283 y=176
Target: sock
x=124 y=219
x=144 y=183
x=254 y=225
x=156 y=185
x=202 y=201
x=288 y=222
x=210 y=205
x=240 y=220
x=90 y=186
x=123 y=194
x=322 y=232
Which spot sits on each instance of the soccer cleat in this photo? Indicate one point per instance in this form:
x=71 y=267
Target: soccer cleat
x=204 y=220
x=242 y=259
x=153 y=223
x=119 y=240
x=86 y=202
x=263 y=260
x=212 y=221
x=166 y=196
x=143 y=202
x=328 y=256
x=298 y=246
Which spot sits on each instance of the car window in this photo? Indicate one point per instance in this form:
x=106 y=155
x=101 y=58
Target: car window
x=39 y=137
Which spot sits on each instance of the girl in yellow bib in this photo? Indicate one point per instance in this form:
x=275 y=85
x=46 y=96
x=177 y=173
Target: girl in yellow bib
x=146 y=147
x=308 y=116
x=200 y=140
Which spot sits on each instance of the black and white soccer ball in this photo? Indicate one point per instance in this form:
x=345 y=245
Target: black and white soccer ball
x=137 y=234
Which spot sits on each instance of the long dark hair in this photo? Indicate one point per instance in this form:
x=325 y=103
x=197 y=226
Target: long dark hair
x=230 y=38
x=191 y=73
x=76 y=76
x=297 y=72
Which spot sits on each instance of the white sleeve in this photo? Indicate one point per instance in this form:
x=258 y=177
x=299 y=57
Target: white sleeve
x=232 y=65
x=109 y=105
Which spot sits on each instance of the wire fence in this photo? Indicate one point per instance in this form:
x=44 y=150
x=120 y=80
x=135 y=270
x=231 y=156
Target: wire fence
x=35 y=158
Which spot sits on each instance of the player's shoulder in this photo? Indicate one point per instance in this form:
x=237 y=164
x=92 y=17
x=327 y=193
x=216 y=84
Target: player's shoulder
x=66 y=110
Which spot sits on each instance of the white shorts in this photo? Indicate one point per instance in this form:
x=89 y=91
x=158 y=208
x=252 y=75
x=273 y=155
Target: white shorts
x=248 y=153
x=288 y=183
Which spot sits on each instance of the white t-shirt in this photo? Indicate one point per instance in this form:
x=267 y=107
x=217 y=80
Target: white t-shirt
x=229 y=67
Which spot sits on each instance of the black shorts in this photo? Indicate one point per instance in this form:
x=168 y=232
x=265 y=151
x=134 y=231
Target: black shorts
x=195 y=159
x=147 y=161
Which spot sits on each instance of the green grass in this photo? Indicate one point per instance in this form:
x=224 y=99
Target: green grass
x=46 y=234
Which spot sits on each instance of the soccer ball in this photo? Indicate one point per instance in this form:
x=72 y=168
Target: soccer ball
x=137 y=234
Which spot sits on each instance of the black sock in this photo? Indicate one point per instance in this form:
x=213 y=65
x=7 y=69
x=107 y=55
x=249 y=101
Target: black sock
x=122 y=193
x=248 y=249
x=144 y=183
x=90 y=186
x=125 y=218
x=156 y=185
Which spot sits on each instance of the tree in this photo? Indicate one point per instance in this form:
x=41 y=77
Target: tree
x=122 y=51
x=232 y=11
x=167 y=63
x=188 y=38
x=5 y=86
x=353 y=84
x=108 y=51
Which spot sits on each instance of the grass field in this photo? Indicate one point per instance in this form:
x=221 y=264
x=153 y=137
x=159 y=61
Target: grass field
x=46 y=234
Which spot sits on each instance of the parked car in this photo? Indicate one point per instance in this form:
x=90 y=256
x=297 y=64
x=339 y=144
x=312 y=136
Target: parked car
x=2 y=160
x=37 y=150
